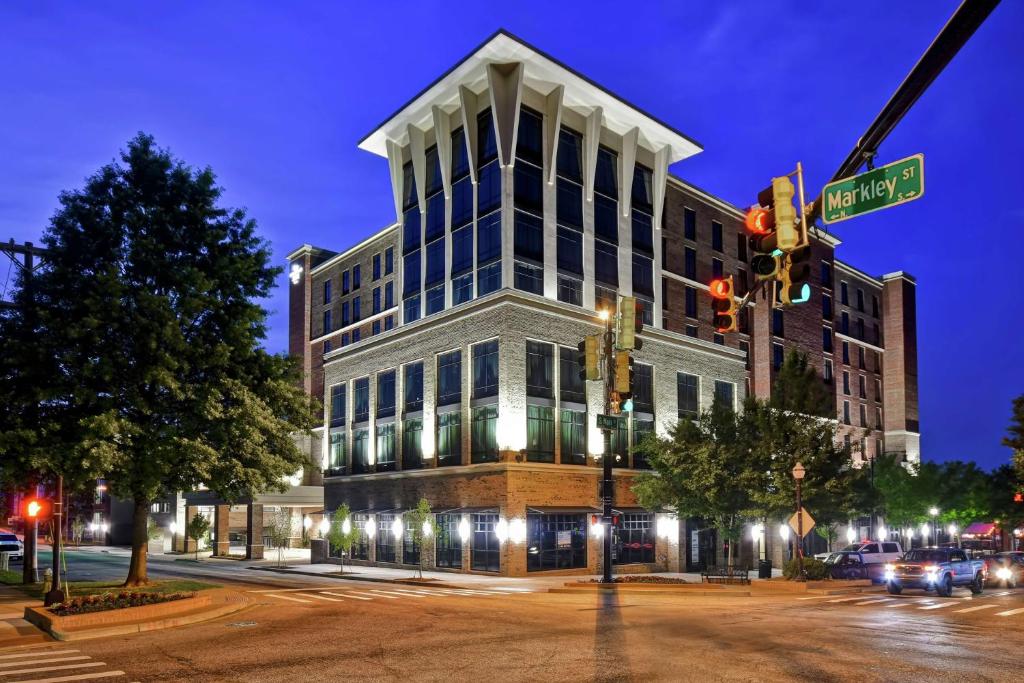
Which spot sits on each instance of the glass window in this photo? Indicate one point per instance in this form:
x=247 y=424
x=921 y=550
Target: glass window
x=362 y=402
x=570 y=250
x=641 y=428
x=433 y=167
x=528 y=186
x=336 y=462
x=634 y=539
x=376 y=266
x=540 y=433
x=376 y=300
x=826 y=274
x=846 y=353
x=844 y=293
x=826 y=339
x=412 y=382
x=462 y=289
x=846 y=412
x=355 y=276
x=449 y=378
x=435 y=300
x=827 y=374
x=462 y=251
x=386 y=393
x=573 y=437
x=385 y=452
x=643 y=388
x=689 y=223
x=338 y=405
x=389 y=294
x=410 y=546
x=572 y=387
x=643 y=275
x=570 y=290
x=641 y=190
x=485 y=369
x=716 y=235
x=462 y=202
x=556 y=542
x=691 y=331
x=570 y=155
x=360 y=451
x=488 y=234
x=860 y=358
x=724 y=393
x=484 y=435
x=355 y=335
x=826 y=307
x=385 y=539
x=643 y=233
x=529 y=278
x=691 y=302
x=449 y=439
x=488 y=278
x=741 y=247
x=327 y=322
x=345 y=319
x=778 y=322
x=485 y=551
x=375 y=327
x=411 y=310
x=863 y=417
x=447 y=541
x=460 y=155
x=604 y=299
x=606 y=218
x=605 y=180
x=860 y=299
x=411 y=277
x=408 y=185
x=687 y=390
x=606 y=263
x=327 y=291
x=356 y=315
x=488 y=191
x=487 y=144
x=539 y=369
x=435 y=263
x=778 y=355
x=389 y=261
x=529 y=237
x=344 y=282
x=716 y=268
x=874 y=306
x=530 y=136
x=569 y=203
x=690 y=263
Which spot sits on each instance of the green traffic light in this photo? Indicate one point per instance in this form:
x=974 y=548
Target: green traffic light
x=627 y=406
x=805 y=294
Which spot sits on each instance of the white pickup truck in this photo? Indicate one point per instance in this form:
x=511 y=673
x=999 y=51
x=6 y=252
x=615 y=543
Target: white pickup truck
x=872 y=551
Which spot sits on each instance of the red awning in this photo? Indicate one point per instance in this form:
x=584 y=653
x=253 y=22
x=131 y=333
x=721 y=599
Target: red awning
x=980 y=529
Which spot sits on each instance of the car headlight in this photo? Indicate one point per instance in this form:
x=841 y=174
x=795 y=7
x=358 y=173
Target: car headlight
x=1004 y=574
x=890 y=568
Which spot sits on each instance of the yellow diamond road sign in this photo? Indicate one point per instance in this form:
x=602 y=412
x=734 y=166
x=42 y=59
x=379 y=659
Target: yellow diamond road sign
x=794 y=522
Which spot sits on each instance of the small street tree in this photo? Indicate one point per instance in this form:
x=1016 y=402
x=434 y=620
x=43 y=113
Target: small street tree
x=280 y=532
x=342 y=534
x=197 y=528
x=421 y=522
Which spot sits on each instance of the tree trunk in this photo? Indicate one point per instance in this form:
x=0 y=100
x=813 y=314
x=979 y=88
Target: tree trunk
x=140 y=545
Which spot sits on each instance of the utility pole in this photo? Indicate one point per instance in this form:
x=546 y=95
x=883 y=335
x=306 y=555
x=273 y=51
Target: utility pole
x=607 y=485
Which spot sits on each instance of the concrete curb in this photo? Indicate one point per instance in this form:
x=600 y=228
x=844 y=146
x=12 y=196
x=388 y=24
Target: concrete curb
x=361 y=577
x=654 y=591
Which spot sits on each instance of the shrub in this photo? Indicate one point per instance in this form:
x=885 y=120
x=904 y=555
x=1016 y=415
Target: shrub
x=815 y=569
x=107 y=601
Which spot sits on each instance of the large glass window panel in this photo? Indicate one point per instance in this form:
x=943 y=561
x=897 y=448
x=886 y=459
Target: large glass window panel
x=571 y=387
x=410 y=546
x=605 y=180
x=435 y=217
x=345 y=318
x=389 y=260
x=485 y=434
x=408 y=185
x=462 y=251
x=435 y=300
x=411 y=229
x=643 y=388
x=641 y=428
x=488 y=279
x=570 y=155
x=413 y=387
x=460 y=155
x=569 y=203
x=338 y=404
x=690 y=296
x=449 y=439
x=643 y=234
x=337 y=463
x=447 y=541
x=689 y=223
x=376 y=299
x=385 y=540
x=411 y=308
x=433 y=167
x=435 y=263
x=356 y=314
x=362 y=400
x=605 y=299
x=606 y=263
x=462 y=202
x=485 y=369
x=487 y=144
x=724 y=393
x=386 y=393
x=360 y=451
x=528 y=187
x=573 y=437
x=462 y=289
x=570 y=250
x=389 y=294
x=485 y=551
x=385 y=452
x=620 y=442
x=642 y=188
x=529 y=278
x=556 y=542
x=643 y=275
x=570 y=290
x=539 y=369
x=540 y=433
x=411 y=278
x=690 y=263
x=488 y=236
x=488 y=190
x=529 y=237
x=529 y=144
x=606 y=219
x=687 y=390
x=634 y=539
x=361 y=548
x=449 y=378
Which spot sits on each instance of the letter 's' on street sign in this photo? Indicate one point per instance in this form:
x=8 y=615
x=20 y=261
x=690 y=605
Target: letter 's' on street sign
x=794 y=523
x=896 y=183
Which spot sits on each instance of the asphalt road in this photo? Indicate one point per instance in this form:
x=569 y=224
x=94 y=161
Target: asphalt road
x=319 y=629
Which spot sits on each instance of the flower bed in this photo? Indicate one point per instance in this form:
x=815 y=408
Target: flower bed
x=644 y=578
x=109 y=601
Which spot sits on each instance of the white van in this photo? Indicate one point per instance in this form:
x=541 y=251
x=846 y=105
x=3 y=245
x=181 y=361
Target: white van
x=873 y=551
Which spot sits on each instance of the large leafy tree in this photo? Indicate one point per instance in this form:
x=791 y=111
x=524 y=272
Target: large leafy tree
x=1015 y=435
x=149 y=310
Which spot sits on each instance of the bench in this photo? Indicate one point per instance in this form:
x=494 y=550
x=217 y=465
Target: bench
x=725 y=575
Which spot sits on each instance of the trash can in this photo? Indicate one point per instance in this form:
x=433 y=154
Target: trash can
x=764 y=569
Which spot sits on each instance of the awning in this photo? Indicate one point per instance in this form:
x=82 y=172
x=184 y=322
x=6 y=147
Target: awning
x=980 y=529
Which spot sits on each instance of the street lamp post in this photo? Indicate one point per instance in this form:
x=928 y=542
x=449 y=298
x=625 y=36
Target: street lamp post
x=798 y=474
x=934 y=512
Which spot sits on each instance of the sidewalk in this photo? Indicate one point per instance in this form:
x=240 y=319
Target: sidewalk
x=14 y=630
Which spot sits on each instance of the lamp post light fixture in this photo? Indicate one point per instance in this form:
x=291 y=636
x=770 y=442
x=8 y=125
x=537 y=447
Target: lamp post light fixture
x=427 y=529
x=851 y=535
x=934 y=512
x=464 y=530
x=396 y=528
x=798 y=474
x=370 y=528
x=883 y=533
x=346 y=526
x=952 y=534
x=501 y=529
x=306 y=522
x=517 y=530
x=325 y=526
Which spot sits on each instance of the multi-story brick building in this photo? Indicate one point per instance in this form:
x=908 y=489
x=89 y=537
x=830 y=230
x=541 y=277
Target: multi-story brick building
x=527 y=199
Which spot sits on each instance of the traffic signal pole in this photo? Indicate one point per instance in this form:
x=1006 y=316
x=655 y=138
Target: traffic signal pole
x=56 y=594
x=607 y=486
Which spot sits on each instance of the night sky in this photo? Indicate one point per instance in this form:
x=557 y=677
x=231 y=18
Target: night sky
x=274 y=97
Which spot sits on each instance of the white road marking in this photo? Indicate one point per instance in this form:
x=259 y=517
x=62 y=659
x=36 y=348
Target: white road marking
x=285 y=597
x=815 y=597
x=322 y=597
x=875 y=601
x=345 y=595
x=283 y=590
x=41 y=669
x=401 y=595
x=7 y=665
x=900 y=604
x=374 y=595
x=1010 y=612
x=76 y=677
x=39 y=652
x=859 y=597
x=974 y=609
x=939 y=605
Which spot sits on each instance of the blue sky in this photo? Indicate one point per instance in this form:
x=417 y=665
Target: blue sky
x=274 y=96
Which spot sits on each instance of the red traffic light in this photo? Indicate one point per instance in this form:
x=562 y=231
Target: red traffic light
x=1018 y=497
x=761 y=221
x=721 y=289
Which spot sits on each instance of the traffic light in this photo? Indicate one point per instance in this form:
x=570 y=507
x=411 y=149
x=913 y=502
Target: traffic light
x=786 y=231
x=614 y=403
x=623 y=375
x=587 y=360
x=630 y=324
x=36 y=509
x=723 y=305
x=793 y=278
x=1018 y=497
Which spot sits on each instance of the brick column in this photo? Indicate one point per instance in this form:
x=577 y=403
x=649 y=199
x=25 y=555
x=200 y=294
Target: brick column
x=467 y=554
x=188 y=545
x=254 y=532
x=221 y=542
x=513 y=555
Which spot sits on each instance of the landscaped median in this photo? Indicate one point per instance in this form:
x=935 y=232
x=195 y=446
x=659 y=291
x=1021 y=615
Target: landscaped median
x=119 y=611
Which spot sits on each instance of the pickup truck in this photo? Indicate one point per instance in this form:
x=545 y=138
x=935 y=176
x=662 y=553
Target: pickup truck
x=938 y=569
x=872 y=552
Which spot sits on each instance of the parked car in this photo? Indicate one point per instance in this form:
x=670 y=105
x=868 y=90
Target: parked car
x=874 y=552
x=938 y=569
x=852 y=565
x=9 y=543
x=1005 y=569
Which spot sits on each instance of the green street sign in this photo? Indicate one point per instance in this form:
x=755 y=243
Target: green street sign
x=607 y=422
x=896 y=183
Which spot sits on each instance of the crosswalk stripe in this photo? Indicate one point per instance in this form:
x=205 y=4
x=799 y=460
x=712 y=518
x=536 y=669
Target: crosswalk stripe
x=974 y=609
x=875 y=601
x=401 y=595
x=1010 y=612
x=900 y=604
x=859 y=597
x=41 y=669
x=371 y=596
x=40 y=652
x=322 y=597
x=7 y=665
x=285 y=597
x=938 y=605
x=345 y=595
x=815 y=597
x=75 y=677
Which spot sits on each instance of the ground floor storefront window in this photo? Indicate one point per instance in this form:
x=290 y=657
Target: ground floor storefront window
x=448 y=542
x=485 y=553
x=410 y=546
x=556 y=542
x=361 y=547
x=385 y=538
x=634 y=539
